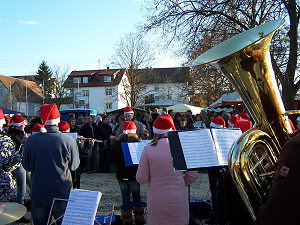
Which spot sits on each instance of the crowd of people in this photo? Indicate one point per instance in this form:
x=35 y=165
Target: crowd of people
x=40 y=156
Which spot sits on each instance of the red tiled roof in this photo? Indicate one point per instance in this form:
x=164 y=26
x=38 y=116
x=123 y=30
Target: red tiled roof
x=30 y=84
x=96 y=77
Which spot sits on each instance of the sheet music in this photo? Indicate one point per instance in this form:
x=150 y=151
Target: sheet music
x=224 y=138
x=82 y=207
x=198 y=148
x=136 y=149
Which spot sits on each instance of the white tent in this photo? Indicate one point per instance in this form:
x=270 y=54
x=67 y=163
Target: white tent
x=234 y=96
x=184 y=107
x=164 y=103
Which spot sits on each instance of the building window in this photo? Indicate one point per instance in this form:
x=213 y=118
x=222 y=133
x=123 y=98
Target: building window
x=107 y=78
x=85 y=80
x=108 y=105
x=76 y=80
x=85 y=92
x=108 y=91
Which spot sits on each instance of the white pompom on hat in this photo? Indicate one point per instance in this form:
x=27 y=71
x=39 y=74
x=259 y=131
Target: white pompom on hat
x=127 y=110
x=2 y=119
x=17 y=120
x=163 y=124
x=129 y=127
x=50 y=114
x=218 y=122
x=37 y=128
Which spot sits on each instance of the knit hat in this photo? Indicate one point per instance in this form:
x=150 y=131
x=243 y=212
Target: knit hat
x=64 y=126
x=217 y=122
x=2 y=119
x=37 y=128
x=163 y=124
x=18 y=120
x=128 y=110
x=232 y=120
x=244 y=116
x=129 y=127
x=50 y=114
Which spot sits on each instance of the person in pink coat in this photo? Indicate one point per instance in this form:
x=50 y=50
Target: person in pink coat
x=167 y=198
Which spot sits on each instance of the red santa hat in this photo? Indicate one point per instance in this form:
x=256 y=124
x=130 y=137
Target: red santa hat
x=7 y=123
x=232 y=120
x=18 y=120
x=64 y=126
x=37 y=128
x=128 y=110
x=163 y=124
x=50 y=114
x=2 y=119
x=129 y=127
x=244 y=116
x=217 y=122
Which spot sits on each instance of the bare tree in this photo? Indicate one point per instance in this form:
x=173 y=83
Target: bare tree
x=133 y=53
x=61 y=89
x=190 y=20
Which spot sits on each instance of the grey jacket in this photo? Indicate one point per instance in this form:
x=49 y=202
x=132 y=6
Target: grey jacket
x=49 y=157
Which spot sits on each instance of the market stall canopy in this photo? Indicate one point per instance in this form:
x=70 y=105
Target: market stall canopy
x=184 y=107
x=227 y=101
x=164 y=103
x=77 y=112
x=9 y=111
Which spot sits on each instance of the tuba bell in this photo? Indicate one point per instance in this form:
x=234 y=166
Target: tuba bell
x=245 y=60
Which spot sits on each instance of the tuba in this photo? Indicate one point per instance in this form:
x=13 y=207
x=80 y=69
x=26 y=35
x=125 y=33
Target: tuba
x=245 y=60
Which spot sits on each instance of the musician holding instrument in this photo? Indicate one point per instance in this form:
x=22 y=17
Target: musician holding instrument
x=283 y=204
x=167 y=198
x=49 y=157
x=126 y=177
x=89 y=130
x=106 y=135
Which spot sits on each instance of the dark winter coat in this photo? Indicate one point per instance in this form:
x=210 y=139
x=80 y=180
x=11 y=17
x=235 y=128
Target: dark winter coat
x=123 y=173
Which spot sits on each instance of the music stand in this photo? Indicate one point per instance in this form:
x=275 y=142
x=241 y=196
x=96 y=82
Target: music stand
x=108 y=217
x=49 y=216
x=81 y=208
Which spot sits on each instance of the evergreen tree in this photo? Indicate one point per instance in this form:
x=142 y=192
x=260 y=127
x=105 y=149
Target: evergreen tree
x=44 y=79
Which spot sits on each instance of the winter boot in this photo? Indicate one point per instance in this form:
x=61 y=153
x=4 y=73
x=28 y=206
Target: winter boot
x=126 y=217
x=139 y=216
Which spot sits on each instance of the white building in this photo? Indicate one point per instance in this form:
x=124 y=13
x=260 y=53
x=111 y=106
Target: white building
x=102 y=90
x=165 y=83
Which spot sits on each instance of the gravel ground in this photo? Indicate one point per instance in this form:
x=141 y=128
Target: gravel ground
x=107 y=184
